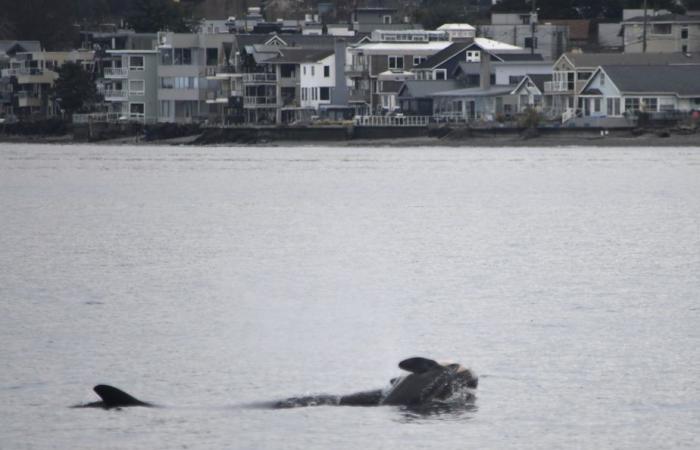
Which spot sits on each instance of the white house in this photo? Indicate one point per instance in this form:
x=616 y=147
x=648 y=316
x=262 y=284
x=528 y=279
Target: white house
x=316 y=82
x=618 y=91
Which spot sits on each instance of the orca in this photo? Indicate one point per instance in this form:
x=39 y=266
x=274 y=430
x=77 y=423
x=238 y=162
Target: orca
x=113 y=398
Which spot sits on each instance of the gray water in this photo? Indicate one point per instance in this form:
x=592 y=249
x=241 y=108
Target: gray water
x=208 y=280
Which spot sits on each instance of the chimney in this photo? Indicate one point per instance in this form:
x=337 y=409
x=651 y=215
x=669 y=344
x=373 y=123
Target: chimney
x=485 y=70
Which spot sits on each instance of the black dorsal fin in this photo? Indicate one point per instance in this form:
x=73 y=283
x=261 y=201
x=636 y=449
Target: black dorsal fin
x=419 y=365
x=113 y=397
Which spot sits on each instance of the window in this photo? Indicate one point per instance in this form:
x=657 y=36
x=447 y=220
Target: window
x=137 y=87
x=136 y=63
x=529 y=42
x=613 y=106
x=326 y=71
x=182 y=56
x=166 y=56
x=661 y=28
x=137 y=109
x=167 y=83
x=325 y=93
x=602 y=78
x=186 y=82
x=314 y=93
x=441 y=74
x=303 y=93
x=525 y=19
x=304 y=69
x=631 y=105
x=164 y=108
x=684 y=33
x=395 y=62
x=212 y=56
x=386 y=20
x=417 y=60
x=313 y=71
x=650 y=104
x=473 y=56
x=596 y=105
x=684 y=48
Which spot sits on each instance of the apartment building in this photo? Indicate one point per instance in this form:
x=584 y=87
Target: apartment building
x=131 y=84
x=184 y=63
x=524 y=30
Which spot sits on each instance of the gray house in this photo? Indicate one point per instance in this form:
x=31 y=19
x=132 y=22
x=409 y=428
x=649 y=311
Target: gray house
x=132 y=88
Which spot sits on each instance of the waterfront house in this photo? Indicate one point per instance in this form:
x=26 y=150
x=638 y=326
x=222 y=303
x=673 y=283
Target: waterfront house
x=33 y=74
x=8 y=49
x=571 y=71
x=415 y=97
x=185 y=62
x=132 y=84
x=620 y=92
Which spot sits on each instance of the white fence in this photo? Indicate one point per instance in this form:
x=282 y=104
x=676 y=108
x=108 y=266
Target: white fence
x=391 y=121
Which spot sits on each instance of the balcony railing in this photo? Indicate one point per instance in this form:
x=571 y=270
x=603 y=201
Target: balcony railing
x=26 y=94
x=116 y=72
x=259 y=77
x=21 y=72
x=260 y=101
x=391 y=121
x=358 y=95
x=115 y=94
x=558 y=86
x=358 y=67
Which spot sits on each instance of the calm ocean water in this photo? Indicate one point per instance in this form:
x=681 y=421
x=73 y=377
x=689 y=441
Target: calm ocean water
x=208 y=279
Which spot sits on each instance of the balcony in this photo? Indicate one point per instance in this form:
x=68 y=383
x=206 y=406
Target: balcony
x=31 y=75
x=116 y=72
x=115 y=95
x=260 y=102
x=358 y=95
x=357 y=69
x=259 y=78
x=559 y=86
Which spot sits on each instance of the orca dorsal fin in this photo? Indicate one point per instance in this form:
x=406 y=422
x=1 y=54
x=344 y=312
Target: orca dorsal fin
x=419 y=365
x=113 y=397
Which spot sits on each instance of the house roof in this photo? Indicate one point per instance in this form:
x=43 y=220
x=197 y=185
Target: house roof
x=477 y=91
x=425 y=88
x=444 y=54
x=539 y=79
x=456 y=27
x=664 y=18
x=381 y=48
x=19 y=46
x=520 y=57
x=299 y=55
x=593 y=60
x=681 y=80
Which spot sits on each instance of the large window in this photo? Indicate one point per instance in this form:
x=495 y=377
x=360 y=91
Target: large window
x=326 y=71
x=212 y=56
x=182 y=56
x=325 y=93
x=166 y=56
x=137 y=87
x=395 y=62
x=613 y=104
x=136 y=63
x=417 y=60
x=167 y=82
x=651 y=104
x=137 y=109
x=631 y=105
x=661 y=28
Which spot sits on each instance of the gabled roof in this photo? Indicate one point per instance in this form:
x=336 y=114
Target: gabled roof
x=11 y=46
x=425 y=88
x=593 y=60
x=477 y=91
x=664 y=18
x=536 y=78
x=513 y=57
x=444 y=54
x=299 y=55
x=681 y=80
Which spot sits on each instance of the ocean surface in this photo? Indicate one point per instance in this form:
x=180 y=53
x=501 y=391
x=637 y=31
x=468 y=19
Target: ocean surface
x=208 y=280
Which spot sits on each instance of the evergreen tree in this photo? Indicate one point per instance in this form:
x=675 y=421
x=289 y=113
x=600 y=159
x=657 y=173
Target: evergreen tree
x=74 y=89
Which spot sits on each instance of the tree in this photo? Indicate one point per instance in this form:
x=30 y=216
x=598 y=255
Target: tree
x=74 y=89
x=50 y=22
x=150 y=16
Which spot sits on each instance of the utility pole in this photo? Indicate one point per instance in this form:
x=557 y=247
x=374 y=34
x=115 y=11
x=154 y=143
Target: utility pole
x=532 y=26
x=644 y=31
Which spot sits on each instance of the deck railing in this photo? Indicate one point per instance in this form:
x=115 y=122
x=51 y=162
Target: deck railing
x=391 y=121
